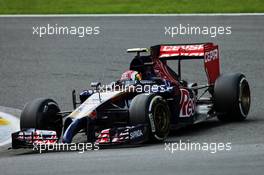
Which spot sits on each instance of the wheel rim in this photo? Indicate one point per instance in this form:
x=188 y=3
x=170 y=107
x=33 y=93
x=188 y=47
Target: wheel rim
x=244 y=97
x=160 y=118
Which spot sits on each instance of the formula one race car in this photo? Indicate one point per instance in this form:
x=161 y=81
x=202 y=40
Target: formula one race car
x=143 y=108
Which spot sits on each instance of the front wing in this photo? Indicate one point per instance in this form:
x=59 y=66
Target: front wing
x=28 y=138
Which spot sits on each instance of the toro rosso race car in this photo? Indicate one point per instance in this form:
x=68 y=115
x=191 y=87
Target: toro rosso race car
x=144 y=105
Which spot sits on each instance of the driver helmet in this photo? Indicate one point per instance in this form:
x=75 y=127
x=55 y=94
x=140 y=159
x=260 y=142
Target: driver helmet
x=131 y=75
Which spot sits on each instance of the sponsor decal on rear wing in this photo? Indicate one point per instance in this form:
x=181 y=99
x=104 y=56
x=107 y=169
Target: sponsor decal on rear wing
x=181 y=50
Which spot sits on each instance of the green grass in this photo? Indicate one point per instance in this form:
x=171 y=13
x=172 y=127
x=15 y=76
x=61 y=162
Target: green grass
x=129 y=6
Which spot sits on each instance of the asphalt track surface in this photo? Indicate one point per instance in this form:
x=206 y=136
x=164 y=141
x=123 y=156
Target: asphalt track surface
x=32 y=67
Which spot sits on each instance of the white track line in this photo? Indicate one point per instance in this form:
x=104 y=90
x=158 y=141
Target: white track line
x=131 y=15
x=14 y=122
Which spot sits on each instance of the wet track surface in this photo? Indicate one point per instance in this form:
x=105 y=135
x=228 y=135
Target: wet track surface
x=52 y=66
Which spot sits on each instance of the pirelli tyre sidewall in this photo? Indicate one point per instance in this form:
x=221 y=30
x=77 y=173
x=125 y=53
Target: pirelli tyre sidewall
x=232 y=97
x=153 y=110
x=41 y=114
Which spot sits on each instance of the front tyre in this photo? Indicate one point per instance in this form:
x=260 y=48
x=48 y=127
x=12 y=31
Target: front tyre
x=232 y=97
x=153 y=110
x=41 y=114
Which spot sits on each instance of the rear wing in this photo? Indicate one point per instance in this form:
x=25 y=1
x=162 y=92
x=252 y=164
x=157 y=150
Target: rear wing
x=209 y=52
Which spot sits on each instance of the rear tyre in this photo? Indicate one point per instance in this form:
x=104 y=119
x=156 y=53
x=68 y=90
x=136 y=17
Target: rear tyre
x=232 y=97
x=153 y=110
x=41 y=114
